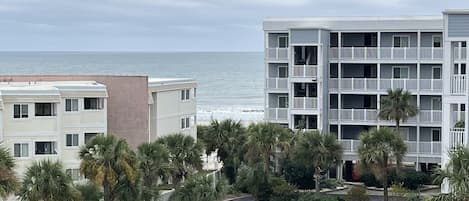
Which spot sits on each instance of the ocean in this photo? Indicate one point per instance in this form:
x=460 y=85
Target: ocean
x=230 y=84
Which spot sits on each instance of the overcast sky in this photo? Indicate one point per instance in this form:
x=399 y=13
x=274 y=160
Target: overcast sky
x=173 y=25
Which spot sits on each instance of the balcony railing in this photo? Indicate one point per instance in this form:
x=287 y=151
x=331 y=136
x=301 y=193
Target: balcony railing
x=430 y=116
x=354 y=115
x=460 y=53
x=385 y=53
x=277 y=114
x=458 y=84
x=458 y=116
x=305 y=103
x=277 y=83
x=424 y=148
x=457 y=137
x=370 y=84
x=276 y=54
x=305 y=71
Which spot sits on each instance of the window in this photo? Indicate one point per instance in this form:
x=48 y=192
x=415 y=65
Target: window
x=71 y=140
x=463 y=107
x=20 y=111
x=463 y=44
x=463 y=69
x=71 y=105
x=185 y=123
x=283 y=41
x=400 y=72
x=306 y=55
x=401 y=41
x=283 y=102
x=94 y=103
x=436 y=103
x=43 y=148
x=21 y=150
x=436 y=41
x=44 y=109
x=404 y=133
x=89 y=136
x=282 y=71
x=185 y=94
x=73 y=173
x=436 y=72
x=436 y=135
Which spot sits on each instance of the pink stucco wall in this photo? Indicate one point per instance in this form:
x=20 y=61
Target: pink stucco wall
x=127 y=103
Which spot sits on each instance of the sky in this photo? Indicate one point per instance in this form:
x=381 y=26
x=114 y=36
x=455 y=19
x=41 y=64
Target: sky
x=173 y=25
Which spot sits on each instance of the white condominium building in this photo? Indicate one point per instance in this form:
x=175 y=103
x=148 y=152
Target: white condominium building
x=330 y=73
x=51 y=120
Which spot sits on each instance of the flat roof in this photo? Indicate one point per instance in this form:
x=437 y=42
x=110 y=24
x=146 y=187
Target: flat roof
x=456 y=11
x=49 y=87
x=356 y=23
x=168 y=81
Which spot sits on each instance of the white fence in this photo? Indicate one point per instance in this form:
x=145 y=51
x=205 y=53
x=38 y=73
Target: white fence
x=276 y=54
x=305 y=103
x=371 y=84
x=305 y=71
x=277 y=114
x=458 y=84
x=277 y=83
x=386 y=53
x=413 y=147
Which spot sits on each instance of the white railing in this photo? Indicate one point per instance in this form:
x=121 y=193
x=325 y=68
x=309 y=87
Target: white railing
x=276 y=54
x=393 y=83
x=358 y=84
x=430 y=116
x=457 y=137
x=460 y=53
x=431 y=53
x=367 y=115
x=277 y=114
x=334 y=53
x=306 y=71
x=431 y=85
x=413 y=147
x=277 y=83
x=398 y=53
x=458 y=84
x=359 y=53
x=305 y=103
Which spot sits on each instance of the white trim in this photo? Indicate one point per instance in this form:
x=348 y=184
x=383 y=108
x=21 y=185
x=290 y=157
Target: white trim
x=72 y=146
x=408 y=72
x=21 y=106
x=401 y=36
x=22 y=143
x=433 y=40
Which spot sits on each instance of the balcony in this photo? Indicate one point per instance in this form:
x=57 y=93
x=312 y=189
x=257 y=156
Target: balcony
x=430 y=116
x=458 y=84
x=277 y=114
x=354 y=115
x=431 y=53
x=385 y=53
x=305 y=103
x=424 y=148
x=277 y=83
x=276 y=54
x=457 y=137
x=370 y=84
x=460 y=53
x=305 y=71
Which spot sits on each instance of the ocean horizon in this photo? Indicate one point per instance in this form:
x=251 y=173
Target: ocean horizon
x=230 y=84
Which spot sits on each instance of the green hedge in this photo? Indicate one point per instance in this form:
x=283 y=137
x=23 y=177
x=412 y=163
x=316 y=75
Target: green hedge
x=409 y=178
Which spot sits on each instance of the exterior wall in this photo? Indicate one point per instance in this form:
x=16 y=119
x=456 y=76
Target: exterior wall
x=167 y=120
x=127 y=114
x=303 y=36
x=427 y=38
x=387 y=70
x=458 y=25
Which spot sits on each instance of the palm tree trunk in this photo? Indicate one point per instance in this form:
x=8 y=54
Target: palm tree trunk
x=385 y=180
x=398 y=121
x=107 y=191
x=317 y=176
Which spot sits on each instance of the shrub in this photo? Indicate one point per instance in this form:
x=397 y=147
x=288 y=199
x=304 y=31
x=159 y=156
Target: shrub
x=331 y=183
x=357 y=193
x=318 y=197
x=412 y=179
x=282 y=190
x=369 y=179
x=297 y=174
x=200 y=188
x=89 y=192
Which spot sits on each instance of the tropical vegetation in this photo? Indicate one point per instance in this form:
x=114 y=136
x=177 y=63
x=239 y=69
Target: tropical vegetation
x=397 y=106
x=8 y=180
x=379 y=150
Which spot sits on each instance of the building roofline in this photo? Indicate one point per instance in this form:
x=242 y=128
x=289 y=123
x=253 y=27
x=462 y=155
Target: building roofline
x=456 y=11
x=352 y=18
x=152 y=82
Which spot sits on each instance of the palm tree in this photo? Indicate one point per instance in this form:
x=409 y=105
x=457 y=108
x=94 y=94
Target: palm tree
x=457 y=174
x=318 y=151
x=154 y=164
x=200 y=188
x=378 y=150
x=226 y=138
x=46 y=181
x=263 y=139
x=89 y=192
x=110 y=163
x=8 y=181
x=396 y=106
x=184 y=153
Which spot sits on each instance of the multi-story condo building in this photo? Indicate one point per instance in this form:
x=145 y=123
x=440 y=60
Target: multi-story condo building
x=330 y=73
x=40 y=120
x=172 y=106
